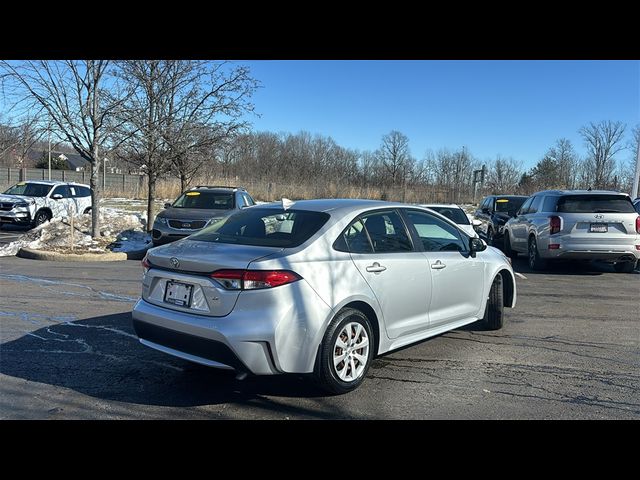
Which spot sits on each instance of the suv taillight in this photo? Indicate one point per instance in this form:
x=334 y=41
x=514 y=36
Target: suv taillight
x=554 y=224
x=254 y=279
x=638 y=224
x=145 y=263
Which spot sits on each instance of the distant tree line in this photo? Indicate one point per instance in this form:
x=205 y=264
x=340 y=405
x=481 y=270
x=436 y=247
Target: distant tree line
x=188 y=119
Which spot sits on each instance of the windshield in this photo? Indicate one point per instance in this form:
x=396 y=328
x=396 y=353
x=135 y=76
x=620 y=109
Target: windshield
x=509 y=205
x=457 y=215
x=264 y=227
x=206 y=200
x=595 y=204
x=29 y=189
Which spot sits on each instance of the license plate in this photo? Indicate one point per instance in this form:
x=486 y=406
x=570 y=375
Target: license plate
x=178 y=293
x=599 y=228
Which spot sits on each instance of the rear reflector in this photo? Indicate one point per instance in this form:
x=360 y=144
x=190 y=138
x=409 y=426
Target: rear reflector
x=554 y=225
x=254 y=279
x=145 y=263
x=554 y=246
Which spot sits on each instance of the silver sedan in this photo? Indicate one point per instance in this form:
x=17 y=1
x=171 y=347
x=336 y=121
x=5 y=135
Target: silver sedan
x=318 y=287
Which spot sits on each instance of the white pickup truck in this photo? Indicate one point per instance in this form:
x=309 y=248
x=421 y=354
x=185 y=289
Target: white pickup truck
x=32 y=203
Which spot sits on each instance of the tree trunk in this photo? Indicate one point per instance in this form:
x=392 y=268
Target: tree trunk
x=151 y=196
x=95 y=197
x=183 y=182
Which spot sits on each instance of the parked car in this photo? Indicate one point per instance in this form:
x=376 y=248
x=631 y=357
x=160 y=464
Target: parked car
x=32 y=203
x=318 y=287
x=195 y=209
x=494 y=211
x=576 y=225
x=456 y=214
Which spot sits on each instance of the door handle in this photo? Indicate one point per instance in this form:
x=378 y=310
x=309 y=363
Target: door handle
x=438 y=265
x=376 y=268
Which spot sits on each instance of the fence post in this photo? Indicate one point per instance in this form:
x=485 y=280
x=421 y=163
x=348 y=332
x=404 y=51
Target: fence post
x=83 y=181
x=9 y=175
x=63 y=179
x=123 y=183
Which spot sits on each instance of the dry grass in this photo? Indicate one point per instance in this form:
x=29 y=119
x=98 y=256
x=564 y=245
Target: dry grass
x=271 y=191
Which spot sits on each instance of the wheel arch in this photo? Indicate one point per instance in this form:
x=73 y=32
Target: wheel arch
x=43 y=209
x=509 y=287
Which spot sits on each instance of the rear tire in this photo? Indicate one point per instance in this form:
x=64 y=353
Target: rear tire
x=535 y=262
x=494 y=311
x=512 y=254
x=346 y=352
x=624 y=267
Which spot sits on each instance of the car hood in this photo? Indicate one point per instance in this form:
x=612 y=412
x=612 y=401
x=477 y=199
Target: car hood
x=193 y=213
x=14 y=198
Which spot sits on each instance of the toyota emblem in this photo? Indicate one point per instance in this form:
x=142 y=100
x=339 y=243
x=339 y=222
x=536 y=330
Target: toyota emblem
x=175 y=262
x=599 y=216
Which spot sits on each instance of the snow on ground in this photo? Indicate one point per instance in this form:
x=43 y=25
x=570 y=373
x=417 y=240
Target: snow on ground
x=122 y=225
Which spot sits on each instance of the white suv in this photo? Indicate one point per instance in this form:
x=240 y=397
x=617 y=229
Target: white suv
x=32 y=203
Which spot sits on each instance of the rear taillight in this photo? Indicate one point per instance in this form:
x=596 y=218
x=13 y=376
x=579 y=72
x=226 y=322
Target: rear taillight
x=638 y=224
x=554 y=224
x=254 y=279
x=145 y=263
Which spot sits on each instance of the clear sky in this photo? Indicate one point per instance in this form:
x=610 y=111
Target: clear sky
x=511 y=108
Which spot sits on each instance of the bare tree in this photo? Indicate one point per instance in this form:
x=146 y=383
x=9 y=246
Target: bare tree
x=567 y=162
x=504 y=175
x=394 y=155
x=603 y=141
x=78 y=100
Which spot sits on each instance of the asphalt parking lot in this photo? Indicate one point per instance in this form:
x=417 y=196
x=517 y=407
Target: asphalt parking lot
x=570 y=350
x=11 y=233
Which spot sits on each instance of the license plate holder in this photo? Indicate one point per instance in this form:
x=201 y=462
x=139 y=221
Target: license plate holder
x=599 y=228
x=178 y=293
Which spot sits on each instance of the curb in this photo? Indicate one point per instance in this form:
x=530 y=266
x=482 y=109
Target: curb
x=77 y=257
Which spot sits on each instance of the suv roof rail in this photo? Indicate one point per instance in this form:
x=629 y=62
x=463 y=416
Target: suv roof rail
x=220 y=186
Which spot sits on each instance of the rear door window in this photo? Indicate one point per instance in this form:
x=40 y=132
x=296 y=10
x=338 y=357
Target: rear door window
x=61 y=190
x=535 y=204
x=525 y=207
x=589 y=203
x=354 y=239
x=387 y=232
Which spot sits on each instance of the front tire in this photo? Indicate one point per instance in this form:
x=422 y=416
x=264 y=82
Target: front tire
x=494 y=311
x=40 y=218
x=346 y=352
x=535 y=262
x=508 y=251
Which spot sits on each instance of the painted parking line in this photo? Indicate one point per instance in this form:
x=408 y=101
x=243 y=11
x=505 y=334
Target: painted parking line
x=519 y=275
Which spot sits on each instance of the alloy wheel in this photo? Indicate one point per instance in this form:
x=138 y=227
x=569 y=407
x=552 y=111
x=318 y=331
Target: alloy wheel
x=350 y=352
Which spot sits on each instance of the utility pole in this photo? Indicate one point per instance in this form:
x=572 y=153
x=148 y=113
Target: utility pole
x=49 y=136
x=634 y=190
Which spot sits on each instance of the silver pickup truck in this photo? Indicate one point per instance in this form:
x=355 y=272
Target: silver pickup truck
x=32 y=203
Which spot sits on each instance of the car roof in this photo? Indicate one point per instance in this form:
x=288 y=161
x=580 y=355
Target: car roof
x=54 y=183
x=580 y=192
x=446 y=205
x=335 y=205
x=217 y=188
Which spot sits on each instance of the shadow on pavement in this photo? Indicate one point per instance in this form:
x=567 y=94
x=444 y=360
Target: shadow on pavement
x=102 y=358
x=565 y=267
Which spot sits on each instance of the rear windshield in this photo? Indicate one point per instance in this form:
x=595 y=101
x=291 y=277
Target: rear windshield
x=595 y=204
x=264 y=227
x=206 y=200
x=457 y=215
x=509 y=205
x=29 y=189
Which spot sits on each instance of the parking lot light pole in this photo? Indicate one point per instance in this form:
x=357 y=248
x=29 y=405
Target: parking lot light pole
x=634 y=190
x=104 y=173
x=49 y=136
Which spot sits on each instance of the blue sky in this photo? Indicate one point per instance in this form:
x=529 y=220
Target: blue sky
x=511 y=108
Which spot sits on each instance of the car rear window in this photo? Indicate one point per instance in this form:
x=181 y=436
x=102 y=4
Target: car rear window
x=509 y=205
x=206 y=200
x=265 y=227
x=595 y=204
x=457 y=215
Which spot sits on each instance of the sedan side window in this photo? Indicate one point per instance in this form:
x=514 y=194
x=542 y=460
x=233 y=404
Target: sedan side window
x=355 y=239
x=435 y=234
x=387 y=232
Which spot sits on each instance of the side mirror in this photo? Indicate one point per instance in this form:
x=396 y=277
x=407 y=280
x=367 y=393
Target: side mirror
x=476 y=223
x=476 y=245
x=56 y=196
x=167 y=205
x=485 y=210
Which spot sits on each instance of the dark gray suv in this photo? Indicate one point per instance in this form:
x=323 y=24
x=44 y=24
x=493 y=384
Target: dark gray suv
x=195 y=209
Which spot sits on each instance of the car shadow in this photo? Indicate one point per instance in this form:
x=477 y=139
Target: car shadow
x=564 y=267
x=101 y=357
